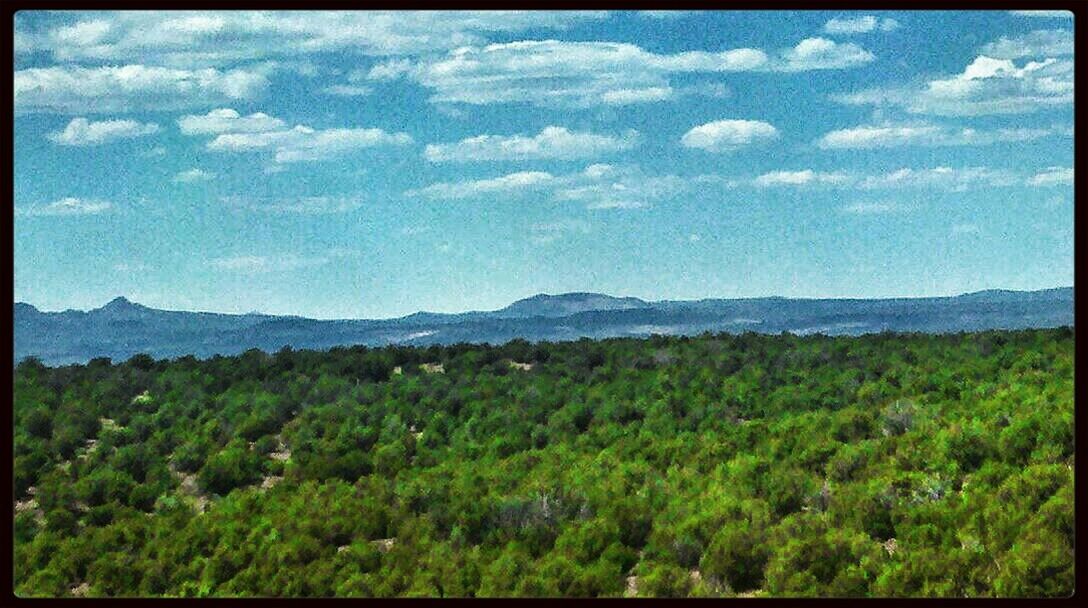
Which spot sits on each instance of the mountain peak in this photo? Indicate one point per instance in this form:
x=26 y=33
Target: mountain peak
x=122 y=306
x=563 y=304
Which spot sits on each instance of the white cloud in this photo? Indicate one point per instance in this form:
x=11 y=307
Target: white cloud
x=551 y=143
x=193 y=176
x=1039 y=43
x=623 y=97
x=82 y=132
x=798 y=178
x=946 y=178
x=860 y=25
x=728 y=135
x=69 y=89
x=307 y=205
x=321 y=145
x=552 y=72
x=941 y=178
x=390 y=70
x=200 y=38
x=598 y=186
x=584 y=74
x=986 y=86
x=1053 y=176
x=226 y=120
x=924 y=134
x=67 y=207
x=260 y=132
x=511 y=183
x=824 y=54
x=255 y=264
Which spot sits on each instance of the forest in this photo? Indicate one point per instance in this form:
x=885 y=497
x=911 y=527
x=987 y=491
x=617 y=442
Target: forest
x=716 y=465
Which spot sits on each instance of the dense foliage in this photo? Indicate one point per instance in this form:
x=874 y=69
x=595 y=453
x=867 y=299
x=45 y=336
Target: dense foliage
x=882 y=465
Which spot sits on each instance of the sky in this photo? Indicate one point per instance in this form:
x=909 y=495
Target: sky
x=371 y=165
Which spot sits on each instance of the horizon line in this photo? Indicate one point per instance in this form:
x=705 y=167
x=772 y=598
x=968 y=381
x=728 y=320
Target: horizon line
x=538 y=294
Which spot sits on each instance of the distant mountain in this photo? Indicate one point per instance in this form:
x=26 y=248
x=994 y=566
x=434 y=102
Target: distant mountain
x=563 y=305
x=122 y=328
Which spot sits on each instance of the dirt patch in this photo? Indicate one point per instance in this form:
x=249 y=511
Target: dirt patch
x=632 y=587
x=190 y=489
x=281 y=453
x=432 y=368
x=522 y=366
x=384 y=545
x=891 y=546
x=397 y=371
x=30 y=506
x=270 y=481
x=80 y=590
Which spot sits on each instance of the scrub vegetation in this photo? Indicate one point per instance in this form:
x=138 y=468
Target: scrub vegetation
x=717 y=465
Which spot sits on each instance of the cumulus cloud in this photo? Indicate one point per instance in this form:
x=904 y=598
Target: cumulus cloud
x=69 y=206
x=728 y=135
x=609 y=187
x=824 y=54
x=302 y=144
x=69 y=89
x=193 y=176
x=924 y=134
x=946 y=178
x=598 y=186
x=260 y=132
x=585 y=74
x=510 y=183
x=82 y=132
x=226 y=120
x=552 y=72
x=210 y=39
x=1053 y=176
x=986 y=86
x=798 y=178
x=939 y=178
x=551 y=143
x=1039 y=43
x=860 y=25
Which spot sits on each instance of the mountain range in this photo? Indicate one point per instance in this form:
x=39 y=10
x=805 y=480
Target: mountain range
x=122 y=328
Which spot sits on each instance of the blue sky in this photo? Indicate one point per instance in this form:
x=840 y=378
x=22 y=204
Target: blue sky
x=372 y=165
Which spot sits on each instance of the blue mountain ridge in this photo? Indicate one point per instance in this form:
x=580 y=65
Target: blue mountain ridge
x=123 y=328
